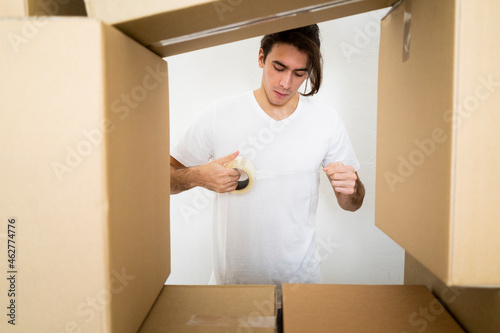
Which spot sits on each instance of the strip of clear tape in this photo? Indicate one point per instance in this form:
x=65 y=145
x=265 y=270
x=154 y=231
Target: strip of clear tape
x=259 y=175
x=407 y=34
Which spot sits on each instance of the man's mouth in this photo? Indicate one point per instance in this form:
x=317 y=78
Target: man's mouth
x=280 y=95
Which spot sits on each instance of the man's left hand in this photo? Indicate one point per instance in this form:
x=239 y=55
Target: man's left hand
x=342 y=177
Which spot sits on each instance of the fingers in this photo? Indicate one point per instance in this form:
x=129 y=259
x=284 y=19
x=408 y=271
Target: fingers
x=225 y=159
x=342 y=174
x=346 y=187
x=215 y=177
x=224 y=179
x=228 y=178
x=233 y=174
x=228 y=187
x=237 y=174
x=338 y=170
x=228 y=182
x=342 y=177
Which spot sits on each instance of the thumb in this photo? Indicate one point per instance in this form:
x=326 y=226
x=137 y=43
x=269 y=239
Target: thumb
x=225 y=159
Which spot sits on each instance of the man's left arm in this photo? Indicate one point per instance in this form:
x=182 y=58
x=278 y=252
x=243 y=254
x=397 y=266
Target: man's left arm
x=346 y=184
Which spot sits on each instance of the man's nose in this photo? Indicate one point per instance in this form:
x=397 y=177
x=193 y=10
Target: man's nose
x=286 y=80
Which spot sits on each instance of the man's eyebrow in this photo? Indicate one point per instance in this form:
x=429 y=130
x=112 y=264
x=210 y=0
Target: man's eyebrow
x=283 y=65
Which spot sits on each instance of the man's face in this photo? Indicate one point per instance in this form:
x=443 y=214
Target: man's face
x=284 y=71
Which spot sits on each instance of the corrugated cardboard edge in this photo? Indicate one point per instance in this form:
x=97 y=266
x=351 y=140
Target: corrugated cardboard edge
x=454 y=132
x=107 y=323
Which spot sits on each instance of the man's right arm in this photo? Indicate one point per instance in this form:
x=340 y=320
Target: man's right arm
x=212 y=175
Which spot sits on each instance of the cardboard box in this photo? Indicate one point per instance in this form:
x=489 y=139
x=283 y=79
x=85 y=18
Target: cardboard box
x=170 y=27
x=363 y=308
x=17 y=8
x=476 y=309
x=437 y=141
x=84 y=153
x=206 y=309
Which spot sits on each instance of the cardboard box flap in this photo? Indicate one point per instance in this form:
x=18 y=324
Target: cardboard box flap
x=169 y=28
x=363 y=308
x=244 y=22
x=213 y=309
x=414 y=151
x=137 y=173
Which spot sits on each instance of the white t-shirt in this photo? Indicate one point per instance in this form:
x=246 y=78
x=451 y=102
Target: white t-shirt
x=266 y=235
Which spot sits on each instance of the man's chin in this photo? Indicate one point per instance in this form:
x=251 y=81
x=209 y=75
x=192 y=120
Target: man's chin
x=279 y=101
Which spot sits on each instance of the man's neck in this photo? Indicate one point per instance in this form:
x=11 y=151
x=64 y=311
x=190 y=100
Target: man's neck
x=277 y=112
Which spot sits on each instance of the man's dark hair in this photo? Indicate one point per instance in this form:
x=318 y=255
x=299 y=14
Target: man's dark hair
x=305 y=39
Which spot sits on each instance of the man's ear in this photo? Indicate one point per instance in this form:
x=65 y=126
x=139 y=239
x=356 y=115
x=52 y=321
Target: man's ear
x=261 y=58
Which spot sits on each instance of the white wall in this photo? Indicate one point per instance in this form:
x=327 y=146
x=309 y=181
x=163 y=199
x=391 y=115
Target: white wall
x=352 y=249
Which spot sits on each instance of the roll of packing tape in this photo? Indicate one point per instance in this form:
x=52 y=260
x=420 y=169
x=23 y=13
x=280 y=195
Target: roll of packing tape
x=247 y=173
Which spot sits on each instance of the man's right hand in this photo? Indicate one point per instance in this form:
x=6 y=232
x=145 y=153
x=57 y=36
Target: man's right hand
x=214 y=176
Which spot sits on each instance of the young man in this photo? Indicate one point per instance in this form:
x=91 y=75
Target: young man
x=266 y=234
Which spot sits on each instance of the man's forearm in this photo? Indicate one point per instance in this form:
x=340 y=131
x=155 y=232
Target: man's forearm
x=182 y=179
x=352 y=202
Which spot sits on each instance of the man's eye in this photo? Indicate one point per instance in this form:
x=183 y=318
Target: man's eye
x=279 y=69
x=299 y=75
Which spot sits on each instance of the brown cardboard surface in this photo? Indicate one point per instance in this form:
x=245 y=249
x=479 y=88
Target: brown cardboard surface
x=19 y=8
x=476 y=309
x=363 y=308
x=426 y=197
x=184 y=24
x=208 y=309
x=12 y=8
x=84 y=158
x=475 y=247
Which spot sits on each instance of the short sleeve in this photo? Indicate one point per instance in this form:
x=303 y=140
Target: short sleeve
x=196 y=146
x=340 y=147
